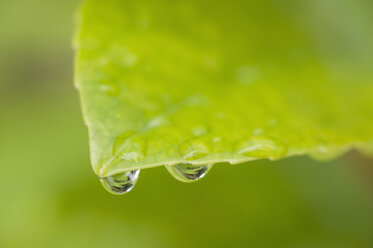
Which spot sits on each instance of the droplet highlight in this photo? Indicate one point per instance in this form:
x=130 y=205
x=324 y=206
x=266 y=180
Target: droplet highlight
x=187 y=172
x=120 y=184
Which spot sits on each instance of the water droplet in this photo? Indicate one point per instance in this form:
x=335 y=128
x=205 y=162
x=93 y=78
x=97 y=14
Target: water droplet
x=194 y=149
x=129 y=146
x=120 y=184
x=263 y=148
x=132 y=156
x=187 y=172
x=157 y=121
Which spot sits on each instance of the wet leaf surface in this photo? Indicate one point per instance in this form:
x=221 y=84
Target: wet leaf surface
x=200 y=82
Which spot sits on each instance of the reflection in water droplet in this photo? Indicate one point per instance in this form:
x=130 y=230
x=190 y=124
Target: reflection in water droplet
x=187 y=172
x=120 y=184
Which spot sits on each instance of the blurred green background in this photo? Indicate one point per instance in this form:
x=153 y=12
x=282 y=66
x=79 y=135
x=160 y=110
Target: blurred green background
x=51 y=198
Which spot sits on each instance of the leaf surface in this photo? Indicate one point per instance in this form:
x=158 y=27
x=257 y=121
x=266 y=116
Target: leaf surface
x=167 y=82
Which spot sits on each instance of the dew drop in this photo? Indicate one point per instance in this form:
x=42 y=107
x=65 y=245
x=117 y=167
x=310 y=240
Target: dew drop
x=129 y=146
x=194 y=149
x=187 y=172
x=120 y=184
x=258 y=147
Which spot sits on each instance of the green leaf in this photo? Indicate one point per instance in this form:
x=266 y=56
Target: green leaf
x=167 y=82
